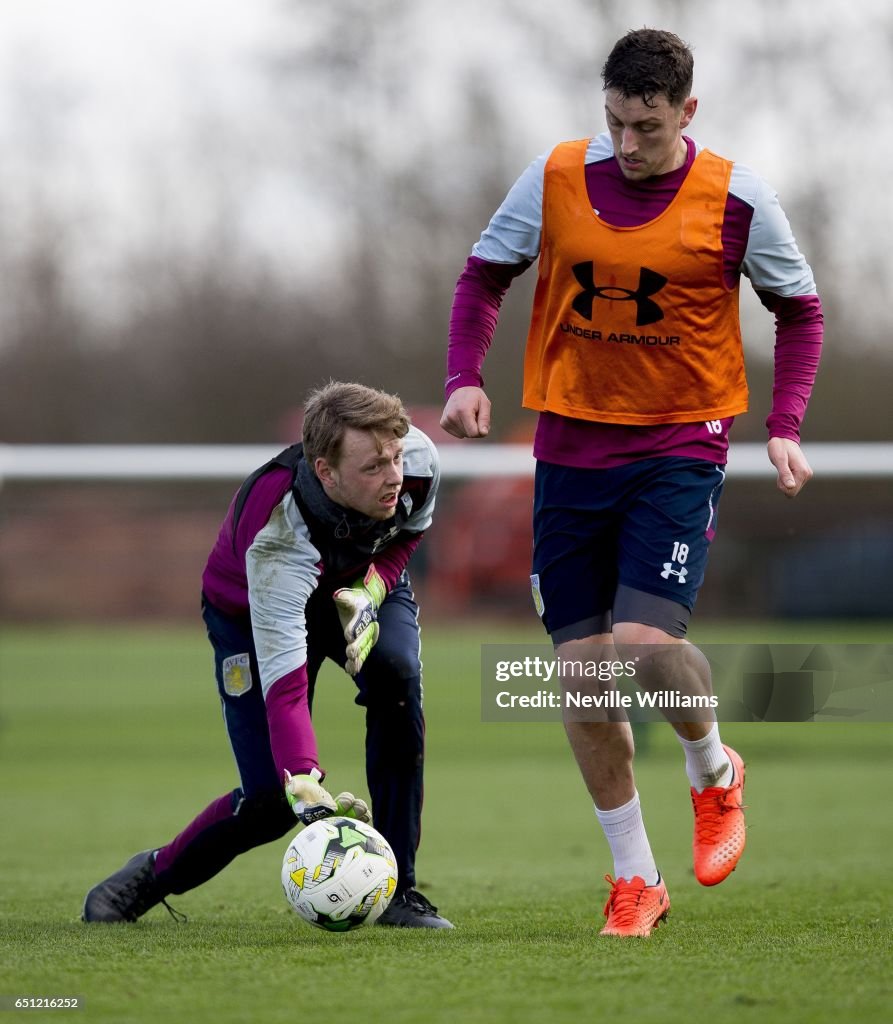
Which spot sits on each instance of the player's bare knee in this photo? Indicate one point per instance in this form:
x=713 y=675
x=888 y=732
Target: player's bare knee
x=608 y=741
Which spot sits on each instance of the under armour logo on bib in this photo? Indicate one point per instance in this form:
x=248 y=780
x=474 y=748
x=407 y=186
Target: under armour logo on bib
x=650 y=283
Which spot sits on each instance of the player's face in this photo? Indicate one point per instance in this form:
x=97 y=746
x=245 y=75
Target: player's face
x=368 y=475
x=647 y=137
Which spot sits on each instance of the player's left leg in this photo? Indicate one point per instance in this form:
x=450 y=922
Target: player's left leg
x=715 y=771
x=664 y=547
x=390 y=688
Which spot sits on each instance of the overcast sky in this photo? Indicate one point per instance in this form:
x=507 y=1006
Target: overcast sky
x=102 y=99
x=130 y=65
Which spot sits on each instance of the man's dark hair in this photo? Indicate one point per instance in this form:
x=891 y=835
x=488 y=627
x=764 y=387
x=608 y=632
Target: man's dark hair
x=648 y=61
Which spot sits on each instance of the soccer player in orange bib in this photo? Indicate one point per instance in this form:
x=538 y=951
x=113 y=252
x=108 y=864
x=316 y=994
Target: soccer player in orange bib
x=634 y=363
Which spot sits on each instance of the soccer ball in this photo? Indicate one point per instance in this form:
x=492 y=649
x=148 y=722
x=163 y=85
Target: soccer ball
x=339 y=874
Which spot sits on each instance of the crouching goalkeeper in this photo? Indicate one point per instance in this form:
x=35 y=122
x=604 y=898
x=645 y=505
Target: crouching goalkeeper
x=310 y=564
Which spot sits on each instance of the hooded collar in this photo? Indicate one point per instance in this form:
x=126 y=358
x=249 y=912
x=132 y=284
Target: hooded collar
x=343 y=522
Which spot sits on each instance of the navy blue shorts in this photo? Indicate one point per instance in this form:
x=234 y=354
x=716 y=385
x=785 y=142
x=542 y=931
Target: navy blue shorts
x=627 y=544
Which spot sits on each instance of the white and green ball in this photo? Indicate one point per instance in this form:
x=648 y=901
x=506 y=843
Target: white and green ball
x=339 y=874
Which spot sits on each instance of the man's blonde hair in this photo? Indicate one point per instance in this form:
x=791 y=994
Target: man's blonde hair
x=332 y=408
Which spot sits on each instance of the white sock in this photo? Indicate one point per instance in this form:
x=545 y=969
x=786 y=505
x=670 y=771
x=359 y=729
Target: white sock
x=706 y=763
x=624 y=829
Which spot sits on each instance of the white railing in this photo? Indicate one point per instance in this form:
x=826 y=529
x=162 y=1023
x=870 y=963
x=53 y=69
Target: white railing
x=35 y=462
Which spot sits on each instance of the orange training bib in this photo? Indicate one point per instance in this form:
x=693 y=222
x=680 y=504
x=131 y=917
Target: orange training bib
x=634 y=325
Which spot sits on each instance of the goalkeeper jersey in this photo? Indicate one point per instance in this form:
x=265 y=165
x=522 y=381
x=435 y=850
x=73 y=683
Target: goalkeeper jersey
x=282 y=543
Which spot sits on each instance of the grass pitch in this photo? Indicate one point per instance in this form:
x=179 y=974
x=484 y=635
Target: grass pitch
x=111 y=740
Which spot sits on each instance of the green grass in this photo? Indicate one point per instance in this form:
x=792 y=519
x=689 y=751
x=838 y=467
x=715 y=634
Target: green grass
x=110 y=740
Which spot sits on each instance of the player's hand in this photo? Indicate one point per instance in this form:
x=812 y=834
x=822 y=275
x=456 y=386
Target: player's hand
x=791 y=465
x=358 y=610
x=308 y=799
x=467 y=413
x=350 y=806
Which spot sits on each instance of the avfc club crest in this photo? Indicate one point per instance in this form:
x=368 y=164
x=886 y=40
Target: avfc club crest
x=537 y=595
x=237 y=675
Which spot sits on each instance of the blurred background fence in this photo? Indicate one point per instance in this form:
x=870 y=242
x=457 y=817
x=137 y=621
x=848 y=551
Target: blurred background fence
x=121 y=533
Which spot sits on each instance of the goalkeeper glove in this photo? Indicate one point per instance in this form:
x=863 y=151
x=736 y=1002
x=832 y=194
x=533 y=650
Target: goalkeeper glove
x=357 y=608
x=310 y=801
x=350 y=806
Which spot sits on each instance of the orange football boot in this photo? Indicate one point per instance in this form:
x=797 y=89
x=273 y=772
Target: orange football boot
x=719 y=826
x=634 y=908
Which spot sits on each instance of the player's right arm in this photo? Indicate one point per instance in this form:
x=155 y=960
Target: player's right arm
x=283 y=567
x=506 y=249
